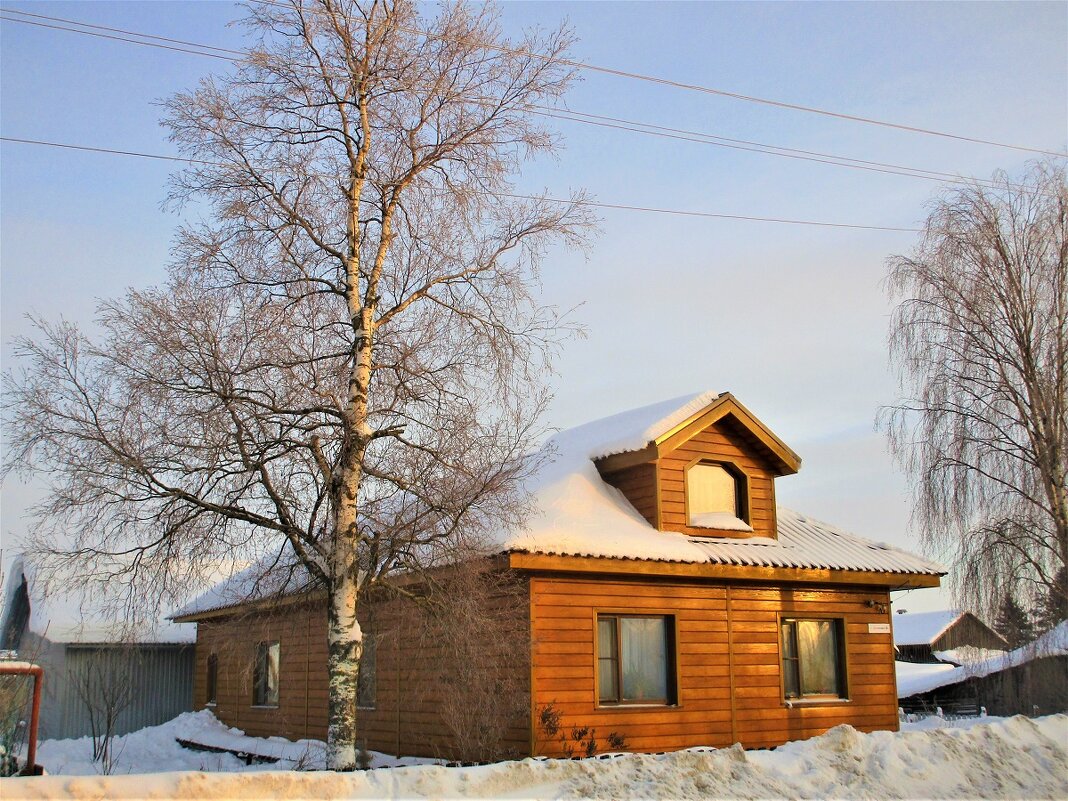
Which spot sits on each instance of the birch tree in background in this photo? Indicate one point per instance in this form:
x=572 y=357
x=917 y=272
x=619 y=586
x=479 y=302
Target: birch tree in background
x=346 y=363
x=980 y=340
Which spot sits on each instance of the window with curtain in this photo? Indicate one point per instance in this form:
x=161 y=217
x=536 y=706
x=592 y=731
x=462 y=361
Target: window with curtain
x=813 y=659
x=212 y=682
x=636 y=659
x=265 y=674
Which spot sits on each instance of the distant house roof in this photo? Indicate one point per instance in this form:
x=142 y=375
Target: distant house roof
x=923 y=628
x=914 y=679
x=74 y=617
x=576 y=513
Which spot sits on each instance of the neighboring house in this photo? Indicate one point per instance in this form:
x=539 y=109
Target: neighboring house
x=1032 y=679
x=664 y=598
x=144 y=674
x=932 y=636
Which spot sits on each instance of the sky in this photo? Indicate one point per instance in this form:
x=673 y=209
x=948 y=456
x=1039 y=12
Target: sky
x=792 y=319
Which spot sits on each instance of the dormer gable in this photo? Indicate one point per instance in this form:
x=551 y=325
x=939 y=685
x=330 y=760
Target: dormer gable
x=710 y=474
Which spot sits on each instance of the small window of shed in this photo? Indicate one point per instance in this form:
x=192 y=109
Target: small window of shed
x=716 y=497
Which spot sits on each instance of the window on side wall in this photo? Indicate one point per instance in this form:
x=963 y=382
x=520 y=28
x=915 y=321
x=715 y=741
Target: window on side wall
x=265 y=674
x=717 y=497
x=212 y=680
x=366 y=682
x=636 y=659
x=813 y=659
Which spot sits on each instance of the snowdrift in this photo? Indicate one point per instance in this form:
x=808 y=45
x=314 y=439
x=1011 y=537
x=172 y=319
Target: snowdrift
x=1008 y=758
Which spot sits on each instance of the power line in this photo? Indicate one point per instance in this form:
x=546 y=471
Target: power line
x=116 y=38
x=571 y=201
x=199 y=45
x=719 y=92
x=649 y=129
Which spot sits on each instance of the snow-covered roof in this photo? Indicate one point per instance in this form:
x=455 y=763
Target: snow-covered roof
x=270 y=577
x=76 y=617
x=634 y=429
x=923 y=628
x=577 y=514
x=913 y=679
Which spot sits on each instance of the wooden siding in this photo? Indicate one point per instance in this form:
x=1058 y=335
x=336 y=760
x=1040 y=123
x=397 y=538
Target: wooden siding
x=405 y=719
x=638 y=485
x=723 y=441
x=301 y=633
x=970 y=630
x=728 y=662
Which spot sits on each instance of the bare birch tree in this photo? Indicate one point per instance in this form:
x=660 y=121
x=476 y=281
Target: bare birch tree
x=347 y=359
x=980 y=339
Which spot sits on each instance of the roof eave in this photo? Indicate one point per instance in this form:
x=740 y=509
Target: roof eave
x=525 y=560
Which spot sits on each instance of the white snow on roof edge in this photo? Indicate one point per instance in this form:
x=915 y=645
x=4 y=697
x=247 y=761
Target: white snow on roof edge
x=75 y=616
x=918 y=679
x=577 y=514
x=923 y=628
x=634 y=429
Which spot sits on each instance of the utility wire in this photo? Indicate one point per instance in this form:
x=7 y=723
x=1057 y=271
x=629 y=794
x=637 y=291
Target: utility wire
x=230 y=51
x=116 y=37
x=582 y=65
x=571 y=201
x=649 y=129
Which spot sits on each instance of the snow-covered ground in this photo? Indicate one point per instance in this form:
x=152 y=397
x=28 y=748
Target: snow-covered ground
x=982 y=758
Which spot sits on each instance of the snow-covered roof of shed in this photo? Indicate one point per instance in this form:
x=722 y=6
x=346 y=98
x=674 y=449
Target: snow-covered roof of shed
x=923 y=628
x=913 y=679
x=73 y=616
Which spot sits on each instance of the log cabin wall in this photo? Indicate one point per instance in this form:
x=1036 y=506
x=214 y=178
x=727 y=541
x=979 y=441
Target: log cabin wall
x=723 y=441
x=728 y=662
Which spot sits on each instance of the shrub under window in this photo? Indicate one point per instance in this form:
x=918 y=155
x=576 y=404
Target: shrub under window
x=265 y=675
x=813 y=659
x=636 y=659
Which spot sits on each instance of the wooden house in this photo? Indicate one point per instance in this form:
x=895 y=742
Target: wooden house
x=665 y=599
x=923 y=636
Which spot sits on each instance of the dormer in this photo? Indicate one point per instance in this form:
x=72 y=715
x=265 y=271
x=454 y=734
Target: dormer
x=711 y=474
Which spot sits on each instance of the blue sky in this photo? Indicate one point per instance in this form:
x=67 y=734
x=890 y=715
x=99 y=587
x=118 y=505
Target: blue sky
x=791 y=319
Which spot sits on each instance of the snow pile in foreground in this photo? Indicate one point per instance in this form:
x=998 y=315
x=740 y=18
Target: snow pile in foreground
x=998 y=758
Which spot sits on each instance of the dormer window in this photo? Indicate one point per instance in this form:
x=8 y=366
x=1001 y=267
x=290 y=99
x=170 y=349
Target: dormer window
x=717 y=496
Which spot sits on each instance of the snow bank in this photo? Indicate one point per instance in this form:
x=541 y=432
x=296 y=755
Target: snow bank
x=998 y=758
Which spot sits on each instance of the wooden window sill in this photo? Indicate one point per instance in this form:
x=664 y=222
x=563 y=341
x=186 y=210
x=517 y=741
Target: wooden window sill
x=264 y=706
x=790 y=703
x=630 y=706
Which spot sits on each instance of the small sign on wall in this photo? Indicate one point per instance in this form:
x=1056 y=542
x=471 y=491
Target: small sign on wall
x=878 y=628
